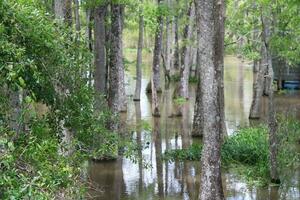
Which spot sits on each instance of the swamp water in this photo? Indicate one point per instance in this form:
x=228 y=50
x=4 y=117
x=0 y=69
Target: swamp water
x=125 y=180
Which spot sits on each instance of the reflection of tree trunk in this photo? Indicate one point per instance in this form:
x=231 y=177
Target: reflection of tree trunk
x=139 y=143
x=158 y=153
x=211 y=44
x=138 y=86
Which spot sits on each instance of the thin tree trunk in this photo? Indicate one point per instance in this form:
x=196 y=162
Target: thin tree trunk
x=155 y=80
x=176 y=51
x=77 y=15
x=122 y=92
x=100 y=81
x=211 y=48
x=137 y=93
x=184 y=70
x=89 y=43
x=168 y=43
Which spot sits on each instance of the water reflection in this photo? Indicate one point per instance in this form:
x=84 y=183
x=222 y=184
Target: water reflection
x=125 y=180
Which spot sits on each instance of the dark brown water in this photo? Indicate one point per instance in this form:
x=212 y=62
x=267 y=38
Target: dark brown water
x=125 y=180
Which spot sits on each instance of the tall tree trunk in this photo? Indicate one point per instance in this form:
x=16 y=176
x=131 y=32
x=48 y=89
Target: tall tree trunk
x=77 y=15
x=184 y=69
x=122 y=92
x=168 y=44
x=176 y=51
x=89 y=43
x=137 y=93
x=100 y=76
x=211 y=48
x=155 y=80
x=272 y=123
x=197 y=130
x=219 y=45
x=115 y=62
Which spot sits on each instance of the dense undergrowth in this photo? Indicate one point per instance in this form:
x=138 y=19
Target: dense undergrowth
x=41 y=62
x=247 y=151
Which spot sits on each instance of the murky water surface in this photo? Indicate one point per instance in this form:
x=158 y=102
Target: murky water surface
x=125 y=180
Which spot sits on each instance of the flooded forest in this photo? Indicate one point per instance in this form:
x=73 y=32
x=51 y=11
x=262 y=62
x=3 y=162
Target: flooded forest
x=150 y=99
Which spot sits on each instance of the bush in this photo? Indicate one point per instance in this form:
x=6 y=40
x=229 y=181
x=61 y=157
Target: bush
x=247 y=151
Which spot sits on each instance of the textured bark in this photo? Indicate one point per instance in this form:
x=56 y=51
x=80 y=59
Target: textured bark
x=155 y=80
x=115 y=63
x=100 y=75
x=176 y=51
x=89 y=43
x=59 y=9
x=122 y=92
x=272 y=123
x=258 y=86
x=138 y=85
x=184 y=69
x=157 y=52
x=219 y=46
x=211 y=49
x=197 y=130
x=77 y=15
x=63 y=11
x=168 y=43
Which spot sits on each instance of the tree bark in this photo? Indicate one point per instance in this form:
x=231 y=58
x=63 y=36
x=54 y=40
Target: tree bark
x=59 y=9
x=100 y=76
x=211 y=48
x=155 y=80
x=184 y=69
x=122 y=92
x=77 y=15
x=137 y=93
x=197 y=130
x=272 y=123
x=176 y=51
x=115 y=63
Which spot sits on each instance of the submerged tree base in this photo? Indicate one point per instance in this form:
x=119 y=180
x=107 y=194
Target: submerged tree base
x=248 y=151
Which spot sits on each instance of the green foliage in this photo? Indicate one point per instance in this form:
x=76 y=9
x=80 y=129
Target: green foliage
x=31 y=167
x=40 y=60
x=247 y=151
